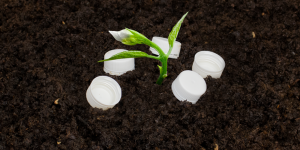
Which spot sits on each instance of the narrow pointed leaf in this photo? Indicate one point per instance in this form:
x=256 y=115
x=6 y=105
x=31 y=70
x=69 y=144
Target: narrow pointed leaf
x=173 y=34
x=128 y=54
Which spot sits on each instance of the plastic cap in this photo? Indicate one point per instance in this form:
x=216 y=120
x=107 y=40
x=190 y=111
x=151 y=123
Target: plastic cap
x=118 y=66
x=188 y=86
x=104 y=92
x=208 y=63
x=164 y=45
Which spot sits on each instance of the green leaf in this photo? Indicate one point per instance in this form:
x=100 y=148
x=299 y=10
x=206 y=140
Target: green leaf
x=128 y=54
x=139 y=38
x=173 y=34
x=132 y=41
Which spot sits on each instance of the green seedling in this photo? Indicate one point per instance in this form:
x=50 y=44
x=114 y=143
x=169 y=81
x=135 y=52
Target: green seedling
x=131 y=37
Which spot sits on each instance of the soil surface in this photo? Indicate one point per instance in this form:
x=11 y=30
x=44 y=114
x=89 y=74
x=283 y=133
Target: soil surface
x=49 y=51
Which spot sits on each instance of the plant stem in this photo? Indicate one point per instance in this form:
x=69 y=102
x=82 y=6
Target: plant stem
x=163 y=58
x=158 y=49
x=163 y=72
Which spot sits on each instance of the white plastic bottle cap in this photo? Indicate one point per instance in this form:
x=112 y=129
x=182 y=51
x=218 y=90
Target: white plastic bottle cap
x=164 y=45
x=104 y=92
x=208 y=63
x=188 y=86
x=118 y=66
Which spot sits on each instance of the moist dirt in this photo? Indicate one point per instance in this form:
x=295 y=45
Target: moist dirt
x=49 y=53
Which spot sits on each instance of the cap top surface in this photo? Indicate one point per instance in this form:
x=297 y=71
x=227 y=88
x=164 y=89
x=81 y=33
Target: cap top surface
x=192 y=82
x=103 y=95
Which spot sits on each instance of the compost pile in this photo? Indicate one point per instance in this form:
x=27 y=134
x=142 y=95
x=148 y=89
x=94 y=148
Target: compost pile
x=49 y=53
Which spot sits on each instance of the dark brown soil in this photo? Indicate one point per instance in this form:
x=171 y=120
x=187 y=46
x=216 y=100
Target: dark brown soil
x=50 y=48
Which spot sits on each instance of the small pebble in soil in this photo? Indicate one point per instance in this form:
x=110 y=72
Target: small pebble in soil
x=56 y=101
